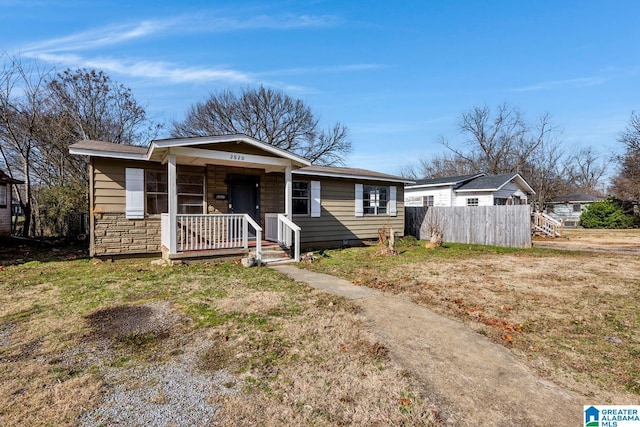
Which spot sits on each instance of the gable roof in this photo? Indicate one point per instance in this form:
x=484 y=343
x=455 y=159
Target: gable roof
x=444 y=181
x=355 y=173
x=108 y=149
x=495 y=183
x=6 y=179
x=157 y=147
x=576 y=198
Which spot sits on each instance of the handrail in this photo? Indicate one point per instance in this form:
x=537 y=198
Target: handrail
x=258 y=236
x=283 y=220
x=546 y=224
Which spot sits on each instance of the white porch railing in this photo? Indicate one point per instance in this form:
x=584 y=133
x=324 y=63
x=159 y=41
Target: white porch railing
x=286 y=228
x=210 y=232
x=546 y=224
x=271 y=227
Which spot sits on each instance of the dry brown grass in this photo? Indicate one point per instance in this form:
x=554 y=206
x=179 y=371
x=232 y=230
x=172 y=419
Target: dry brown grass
x=604 y=239
x=296 y=355
x=571 y=315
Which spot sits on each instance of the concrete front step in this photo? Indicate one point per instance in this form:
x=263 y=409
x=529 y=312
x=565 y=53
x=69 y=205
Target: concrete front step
x=273 y=254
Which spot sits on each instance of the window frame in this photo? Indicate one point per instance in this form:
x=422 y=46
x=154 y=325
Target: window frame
x=4 y=195
x=428 y=201
x=179 y=194
x=372 y=201
x=473 y=201
x=148 y=193
x=306 y=198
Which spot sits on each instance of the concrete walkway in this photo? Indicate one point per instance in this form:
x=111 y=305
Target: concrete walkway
x=472 y=380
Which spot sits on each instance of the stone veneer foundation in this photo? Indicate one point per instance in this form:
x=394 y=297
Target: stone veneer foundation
x=116 y=235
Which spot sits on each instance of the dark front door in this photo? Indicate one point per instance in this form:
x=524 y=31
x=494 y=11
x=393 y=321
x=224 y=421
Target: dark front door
x=244 y=197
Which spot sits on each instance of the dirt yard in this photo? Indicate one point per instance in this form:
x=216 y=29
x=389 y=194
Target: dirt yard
x=583 y=239
x=570 y=315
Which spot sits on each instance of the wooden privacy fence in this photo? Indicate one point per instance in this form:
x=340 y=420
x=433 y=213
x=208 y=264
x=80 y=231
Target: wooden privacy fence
x=508 y=226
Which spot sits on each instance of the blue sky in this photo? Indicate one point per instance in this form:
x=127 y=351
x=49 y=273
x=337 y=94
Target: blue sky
x=398 y=74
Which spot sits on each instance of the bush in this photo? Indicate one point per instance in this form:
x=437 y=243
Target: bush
x=606 y=214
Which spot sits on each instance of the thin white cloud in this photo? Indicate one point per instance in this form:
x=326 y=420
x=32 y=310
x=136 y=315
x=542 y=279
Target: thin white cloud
x=153 y=69
x=99 y=37
x=202 y=23
x=66 y=50
x=570 y=83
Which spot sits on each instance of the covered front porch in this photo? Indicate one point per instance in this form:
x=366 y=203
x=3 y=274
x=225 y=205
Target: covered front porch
x=225 y=195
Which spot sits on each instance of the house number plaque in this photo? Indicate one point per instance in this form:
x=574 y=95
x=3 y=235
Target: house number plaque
x=236 y=157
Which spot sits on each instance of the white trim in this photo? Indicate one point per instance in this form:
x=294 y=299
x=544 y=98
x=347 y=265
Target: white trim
x=110 y=154
x=393 y=206
x=172 y=202
x=288 y=192
x=343 y=175
x=134 y=193
x=315 y=199
x=358 y=200
x=181 y=142
x=229 y=156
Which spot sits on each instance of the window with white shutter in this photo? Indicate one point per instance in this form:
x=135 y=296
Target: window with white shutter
x=359 y=207
x=315 y=199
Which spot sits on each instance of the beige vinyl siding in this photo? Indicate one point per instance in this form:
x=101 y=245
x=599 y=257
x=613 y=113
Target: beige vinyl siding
x=109 y=182
x=337 y=221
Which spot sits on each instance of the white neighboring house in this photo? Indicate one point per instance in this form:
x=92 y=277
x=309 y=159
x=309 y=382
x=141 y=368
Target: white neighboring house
x=469 y=190
x=568 y=208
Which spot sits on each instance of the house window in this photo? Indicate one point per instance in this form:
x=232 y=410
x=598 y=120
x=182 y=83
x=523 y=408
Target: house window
x=300 y=198
x=550 y=208
x=472 y=201
x=577 y=207
x=190 y=194
x=3 y=195
x=157 y=196
x=190 y=189
x=427 y=201
x=374 y=200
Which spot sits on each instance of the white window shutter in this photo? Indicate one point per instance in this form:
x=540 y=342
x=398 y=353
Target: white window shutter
x=134 y=186
x=315 y=199
x=359 y=208
x=393 y=206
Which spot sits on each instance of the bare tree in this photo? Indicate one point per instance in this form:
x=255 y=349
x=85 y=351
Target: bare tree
x=549 y=171
x=590 y=170
x=270 y=116
x=626 y=184
x=23 y=101
x=502 y=141
x=41 y=114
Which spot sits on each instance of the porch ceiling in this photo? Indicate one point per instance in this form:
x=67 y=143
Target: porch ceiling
x=203 y=157
x=196 y=161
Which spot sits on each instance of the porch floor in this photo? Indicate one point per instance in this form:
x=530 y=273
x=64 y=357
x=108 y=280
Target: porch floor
x=270 y=250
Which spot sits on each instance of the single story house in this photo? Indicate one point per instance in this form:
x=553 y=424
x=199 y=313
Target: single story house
x=219 y=194
x=568 y=208
x=6 y=193
x=469 y=190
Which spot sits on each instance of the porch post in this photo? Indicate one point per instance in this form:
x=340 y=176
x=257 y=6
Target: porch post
x=288 y=191
x=173 y=202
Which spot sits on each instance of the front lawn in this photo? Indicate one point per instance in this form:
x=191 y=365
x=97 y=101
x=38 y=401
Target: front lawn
x=571 y=315
x=91 y=343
